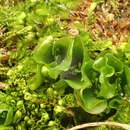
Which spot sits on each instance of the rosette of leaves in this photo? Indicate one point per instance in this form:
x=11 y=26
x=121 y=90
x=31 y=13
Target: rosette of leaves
x=97 y=81
x=53 y=57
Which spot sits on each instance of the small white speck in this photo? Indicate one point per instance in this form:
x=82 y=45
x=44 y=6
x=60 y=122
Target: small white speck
x=121 y=94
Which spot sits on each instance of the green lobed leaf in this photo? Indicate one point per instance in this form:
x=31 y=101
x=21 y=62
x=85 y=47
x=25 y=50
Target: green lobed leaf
x=107 y=71
x=115 y=62
x=77 y=83
x=77 y=56
x=60 y=86
x=88 y=72
x=100 y=63
x=127 y=75
x=82 y=81
x=43 y=52
x=107 y=90
x=115 y=103
x=90 y=103
x=65 y=44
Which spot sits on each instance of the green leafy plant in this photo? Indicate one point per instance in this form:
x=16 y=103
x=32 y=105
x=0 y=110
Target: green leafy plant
x=97 y=80
x=53 y=79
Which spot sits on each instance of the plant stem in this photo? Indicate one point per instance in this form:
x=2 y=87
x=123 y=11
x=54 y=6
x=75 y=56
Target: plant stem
x=119 y=125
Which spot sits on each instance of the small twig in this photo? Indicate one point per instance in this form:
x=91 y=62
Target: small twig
x=119 y=125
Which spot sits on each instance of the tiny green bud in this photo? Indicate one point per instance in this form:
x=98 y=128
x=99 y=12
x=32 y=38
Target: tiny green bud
x=50 y=92
x=17 y=116
x=55 y=93
x=30 y=36
x=21 y=126
x=14 y=93
x=44 y=71
x=45 y=116
x=60 y=102
x=8 y=98
x=36 y=110
x=27 y=96
x=20 y=103
x=26 y=118
x=48 y=39
x=42 y=105
x=33 y=1
x=12 y=101
x=59 y=109
x=32 y=112
x=33 y=106
x=41 y=11
x=24 y=91
x=28 y=28
x=29 y=122
x=51 y=123
x=22 y=15
x=50 y=21
x=20 y=21
x=19 y=67
x=9 y=73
